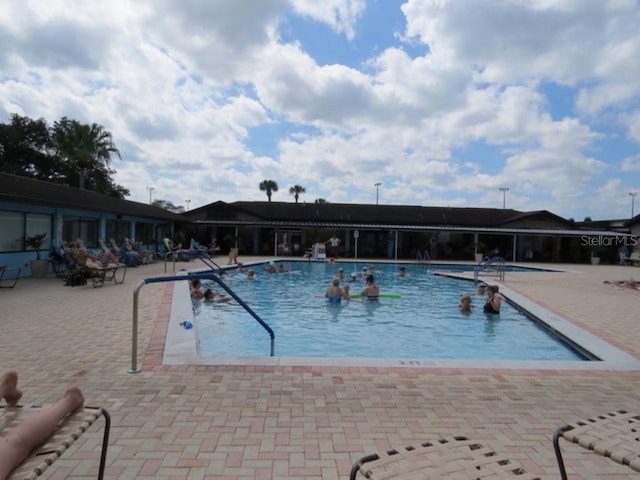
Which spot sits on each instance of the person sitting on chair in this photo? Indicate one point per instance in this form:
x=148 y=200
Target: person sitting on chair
x=16 y=445
x=84 y=258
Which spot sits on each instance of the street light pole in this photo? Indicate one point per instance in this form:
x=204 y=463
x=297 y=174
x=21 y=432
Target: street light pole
x=504 y=191
x=377 y=185
x=633 y=200
x=187 y=202
x=151 y=189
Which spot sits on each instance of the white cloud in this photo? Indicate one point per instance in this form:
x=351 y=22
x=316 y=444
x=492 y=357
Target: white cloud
x=631 y=164
x=184 y=85
x=341 y=15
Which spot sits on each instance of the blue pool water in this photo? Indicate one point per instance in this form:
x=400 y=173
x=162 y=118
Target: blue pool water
x=423 y=323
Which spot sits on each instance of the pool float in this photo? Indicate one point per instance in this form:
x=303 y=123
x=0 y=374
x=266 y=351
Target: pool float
x=345 y=299
x=382 y=295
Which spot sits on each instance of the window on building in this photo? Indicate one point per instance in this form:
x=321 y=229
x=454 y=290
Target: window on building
x=17 y=225
x=83 y=228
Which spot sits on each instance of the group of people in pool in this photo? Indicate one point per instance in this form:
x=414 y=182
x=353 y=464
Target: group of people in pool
x=492 y=303
x=371 y=291
x=208 y=295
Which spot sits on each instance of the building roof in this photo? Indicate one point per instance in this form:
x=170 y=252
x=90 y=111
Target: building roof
x=353 y=213
x=285 y=215
x=14 y=188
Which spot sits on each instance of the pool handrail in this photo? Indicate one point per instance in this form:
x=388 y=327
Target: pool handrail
x=209 y=262
x=201 y=276
x=485 y=263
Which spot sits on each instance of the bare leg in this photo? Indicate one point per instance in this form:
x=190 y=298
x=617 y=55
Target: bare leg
x=18 y=444
x=9 y=388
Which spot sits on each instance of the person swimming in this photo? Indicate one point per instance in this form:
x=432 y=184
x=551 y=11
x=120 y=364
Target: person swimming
x=465 y=305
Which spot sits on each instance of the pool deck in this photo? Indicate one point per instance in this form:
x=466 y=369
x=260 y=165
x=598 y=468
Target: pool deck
x=306 y=422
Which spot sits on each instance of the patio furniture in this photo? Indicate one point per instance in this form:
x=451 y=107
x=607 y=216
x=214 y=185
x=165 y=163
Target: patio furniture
x=634 y=259
x=68 y=431
x=453 y=457
x=615 y=435
x=9 y=282
x=73 y=268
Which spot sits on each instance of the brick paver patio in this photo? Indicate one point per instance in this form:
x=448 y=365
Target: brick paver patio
x=260 y=422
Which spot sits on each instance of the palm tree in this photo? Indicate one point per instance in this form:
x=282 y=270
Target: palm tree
x=268 y=186
x=83 y=147
x=296 y=190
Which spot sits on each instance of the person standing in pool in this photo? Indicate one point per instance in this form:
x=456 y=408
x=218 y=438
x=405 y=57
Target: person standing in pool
x=334 y=293
x=371 y=291
x=494 y=300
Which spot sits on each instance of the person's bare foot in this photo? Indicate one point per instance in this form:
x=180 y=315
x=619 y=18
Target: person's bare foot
x=11 y=393
x=75 y=395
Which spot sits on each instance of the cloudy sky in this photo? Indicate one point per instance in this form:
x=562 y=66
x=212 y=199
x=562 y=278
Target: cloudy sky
x=442 y=102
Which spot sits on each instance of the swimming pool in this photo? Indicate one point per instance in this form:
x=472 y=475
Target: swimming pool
x=423 y=323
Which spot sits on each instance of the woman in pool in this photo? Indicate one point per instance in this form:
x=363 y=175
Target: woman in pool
x=334 y=293
x=494 y=300
x=371 y=291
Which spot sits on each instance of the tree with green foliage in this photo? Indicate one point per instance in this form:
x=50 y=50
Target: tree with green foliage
x=25 y=147
x=28 y=149
x=321 y=200
x=268 y=186
x=167 y=205
x=83 y=147
x=296 y=190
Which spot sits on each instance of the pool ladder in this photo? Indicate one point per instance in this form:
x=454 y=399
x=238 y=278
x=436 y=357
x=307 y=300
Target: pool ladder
x=493 y=265
x=422 y=256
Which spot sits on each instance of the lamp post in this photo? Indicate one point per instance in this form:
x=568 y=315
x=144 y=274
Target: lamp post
x=151 y=189
x=187 y=202
x=377 y=185
x=633 y=201
x=504 y=191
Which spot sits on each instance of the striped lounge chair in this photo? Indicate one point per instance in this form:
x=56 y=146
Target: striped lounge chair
x=69 y=430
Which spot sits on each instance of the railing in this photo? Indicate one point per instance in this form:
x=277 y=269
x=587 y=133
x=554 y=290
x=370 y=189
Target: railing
x=423 y=256
x=173 y=257
x=493 y=264
x=209 y=262
x=202 y=276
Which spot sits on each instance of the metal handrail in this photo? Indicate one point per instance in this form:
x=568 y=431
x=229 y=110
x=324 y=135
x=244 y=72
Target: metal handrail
x=202 y=276
x=423 y=255
x=487 y=262
x=209 y=262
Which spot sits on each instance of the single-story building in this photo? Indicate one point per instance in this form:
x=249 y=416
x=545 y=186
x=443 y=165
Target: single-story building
x=398 y=231
x=31 y=207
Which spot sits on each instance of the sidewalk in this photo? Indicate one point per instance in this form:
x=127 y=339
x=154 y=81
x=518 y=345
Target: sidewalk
x=248 y=422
